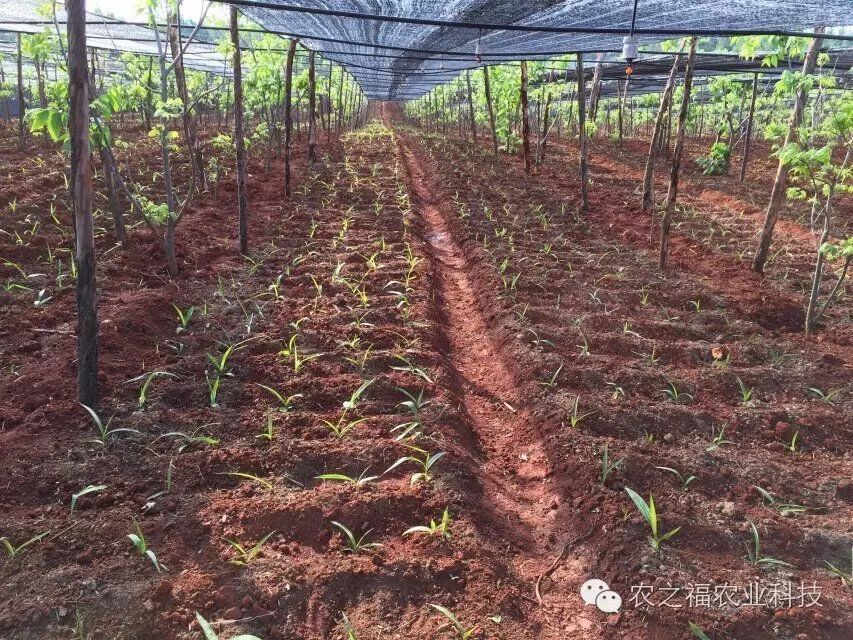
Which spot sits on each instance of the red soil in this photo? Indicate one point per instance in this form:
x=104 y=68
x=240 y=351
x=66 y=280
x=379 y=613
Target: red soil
x=520 y=483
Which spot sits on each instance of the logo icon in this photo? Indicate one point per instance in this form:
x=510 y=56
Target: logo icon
x=597 y=592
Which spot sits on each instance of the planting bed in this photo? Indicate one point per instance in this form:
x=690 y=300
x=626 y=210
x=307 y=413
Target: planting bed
x=483 y=321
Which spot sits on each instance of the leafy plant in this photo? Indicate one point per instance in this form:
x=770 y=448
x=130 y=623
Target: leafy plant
x=825 y=396
x=356 y=544
x=675 y=395
x=441 y=528
x=784 y=508
x=285 y=404
x=745 y=391
x=754 y=552
x=684 y=480
x=104 y=431
x=607 y=467
x=718 y=439
x=210 y=634
x=846 y=576
x=141 y=545
x=697 y=632
x=148 y=378
x=551 y=381
x=576 y=417
x=245 y=555
x=649 y=513
x=92 y=488
x=359 y=481
x=426 y=462
x=184 y=317
x=13 y=550
x=460 y=629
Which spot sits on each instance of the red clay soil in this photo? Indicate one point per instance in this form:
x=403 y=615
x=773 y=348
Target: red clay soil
x=411 y=261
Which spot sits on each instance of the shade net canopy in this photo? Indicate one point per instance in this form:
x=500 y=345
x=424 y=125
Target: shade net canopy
x=402 y=60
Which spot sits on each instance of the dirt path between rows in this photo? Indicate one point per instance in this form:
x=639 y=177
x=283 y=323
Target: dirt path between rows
x=519 y=506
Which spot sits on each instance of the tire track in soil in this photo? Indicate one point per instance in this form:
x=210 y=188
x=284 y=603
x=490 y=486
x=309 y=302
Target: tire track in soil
x=516 y=506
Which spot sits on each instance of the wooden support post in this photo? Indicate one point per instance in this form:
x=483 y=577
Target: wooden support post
x=81 y=192
x=748 y=140
x=491 y=109
x=584 y=162
x=239 y=141
x=779 y=183
x=525 y=118
x=22 y=106
x=543 y=144
x=312 y=108
x=672 y=194
x=288 y=113
x=657 y=133
x=471 y=107
x=190 y=125
x=595 y=91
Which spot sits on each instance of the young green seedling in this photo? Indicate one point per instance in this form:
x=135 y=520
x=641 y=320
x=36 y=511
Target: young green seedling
x=684 y=480
x=718 y=439
x=649 y=513
x=675 y=395
x=268 y=433
x=754 y=552
x=441 y=528
x=148 y=378
x=139 y=542
x=408 y=367
x=460 y=629
x=285 y=404
x=825 y=396
x=576 y=417
x=246 y=555
x=355 y=544
x=846 y=576
x=551 y=381
x=360 y=481
x=92 y=488
x=784 y=508
x=210 y=634
x=104 y=430
x=745 y=391
x=13 y=550
x=248 y=476
x=184 y=317
x=426 y=463
x=607 y=467
x=697 y=632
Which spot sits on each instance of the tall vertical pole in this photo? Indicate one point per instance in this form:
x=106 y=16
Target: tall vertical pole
x=312 y=108
x=22 y=107
x=657 y=133
x=239 y=142
x=491 y=109
x=471 y=107
x=288 y=112
x=525 y=118
x=81 y=190
x=672 y=194
x=779 y=183
x=748 y=140
x=584 y=161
